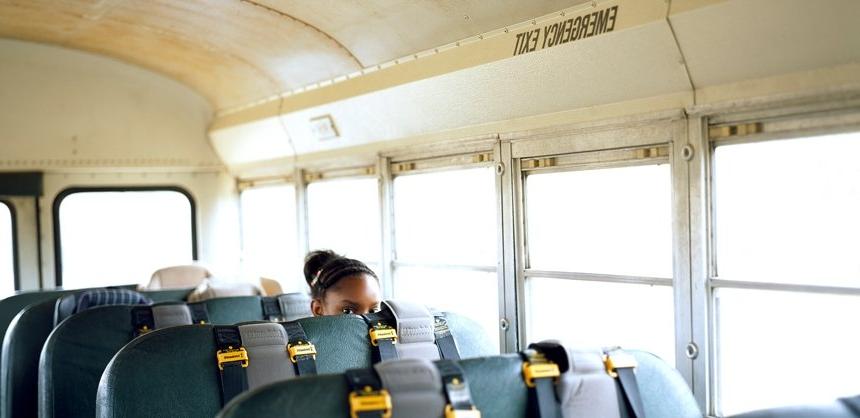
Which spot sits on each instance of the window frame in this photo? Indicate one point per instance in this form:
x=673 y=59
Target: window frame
x=767 y=123
x=627 y=154
x=477 y=155
x=13 y=215
x=58 y=200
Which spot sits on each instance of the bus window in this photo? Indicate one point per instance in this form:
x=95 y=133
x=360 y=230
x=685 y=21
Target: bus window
x=269 y=236
x=600 y=258
x=7 y=251
x=445 y=242
x=343 y=215
x=122 y=237
x=786 y=224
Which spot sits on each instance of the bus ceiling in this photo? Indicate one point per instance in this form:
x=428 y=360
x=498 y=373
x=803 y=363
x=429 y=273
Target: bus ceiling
x=270 y=80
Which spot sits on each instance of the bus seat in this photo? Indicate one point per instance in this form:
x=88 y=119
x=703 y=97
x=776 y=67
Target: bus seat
x=211 y=289
x=77 y=352
x=496 y=385
x=26 y=336
x=167 y=295
x=270 y=287
x=287 y=307
x=842 y=408
x=71 y=304
x=177 y=277
x=180 y=363
x=21 y=347
x=12 y=305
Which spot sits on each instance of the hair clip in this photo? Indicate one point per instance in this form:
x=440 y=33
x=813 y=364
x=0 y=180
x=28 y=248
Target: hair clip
x=316 y=278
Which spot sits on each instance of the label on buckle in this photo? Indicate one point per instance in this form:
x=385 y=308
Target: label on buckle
x=383 y=334
x=230 y=356
x=301 y=349
x=539 y=371
x=372 y=401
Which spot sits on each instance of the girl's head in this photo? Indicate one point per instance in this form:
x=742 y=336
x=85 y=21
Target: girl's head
x=340 y=285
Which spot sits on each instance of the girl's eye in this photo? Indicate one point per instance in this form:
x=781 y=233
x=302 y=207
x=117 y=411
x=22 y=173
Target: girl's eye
x=347 y=311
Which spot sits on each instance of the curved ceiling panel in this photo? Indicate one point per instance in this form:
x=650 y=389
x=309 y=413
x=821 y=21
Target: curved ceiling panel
x=236 y=52
x=377 y=31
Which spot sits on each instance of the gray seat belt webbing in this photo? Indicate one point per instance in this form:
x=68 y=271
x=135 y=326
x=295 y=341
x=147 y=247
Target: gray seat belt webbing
x=383 y=335
x=544 y=364
x=622 y=366
x=232 y=362
x=302 y=352
x=445 y=339
x=457 y=391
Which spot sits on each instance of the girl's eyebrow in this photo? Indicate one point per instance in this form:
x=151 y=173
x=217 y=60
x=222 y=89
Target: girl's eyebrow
x=347 y=301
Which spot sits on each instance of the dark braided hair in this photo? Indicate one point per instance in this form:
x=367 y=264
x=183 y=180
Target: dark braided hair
x=325 y=268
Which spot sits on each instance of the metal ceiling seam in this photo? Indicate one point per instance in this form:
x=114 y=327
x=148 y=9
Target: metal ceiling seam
x=324 y=33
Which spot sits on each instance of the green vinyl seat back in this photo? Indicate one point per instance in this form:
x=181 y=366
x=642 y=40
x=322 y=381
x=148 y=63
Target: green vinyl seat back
x=496 y=385
x=78 y=350
x=180 y=364
x=21 y=347
x=166 y=295
x=10 y=306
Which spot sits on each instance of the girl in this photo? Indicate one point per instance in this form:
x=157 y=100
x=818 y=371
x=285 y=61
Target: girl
x=340 y=285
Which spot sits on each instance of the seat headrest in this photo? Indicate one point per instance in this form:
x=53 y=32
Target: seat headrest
x=177 y=277
x=69 y=305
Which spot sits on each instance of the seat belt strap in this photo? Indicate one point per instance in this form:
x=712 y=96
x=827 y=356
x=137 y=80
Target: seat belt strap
x=367 y=398
x=271 y=309
x=303 y=353
x=457 y=392
x=199 y=313
x=383 y=335
x=445 y=339
x=142 y=320
x=540 y=374
x=232 y=362
x=622 y=366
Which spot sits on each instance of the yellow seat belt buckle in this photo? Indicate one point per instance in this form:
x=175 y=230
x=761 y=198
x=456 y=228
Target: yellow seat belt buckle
x=538 y=367
x=450 y=412
x=370 y=401
x=618 y=360
x=232 y=355
x=382 y=332
x=143 y=330
x=301 y=348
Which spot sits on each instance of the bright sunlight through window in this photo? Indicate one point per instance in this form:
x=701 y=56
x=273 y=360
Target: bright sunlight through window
x=343 y=216
x=122 y=237
x=269 y=237
x=445 y=227
x=787 y=212
x=614 y=221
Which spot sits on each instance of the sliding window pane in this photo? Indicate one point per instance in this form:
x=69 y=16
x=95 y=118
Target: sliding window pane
x=473 y=294
x=122 y=237
x=599 y=314
x=782 y=348
x=269 y=237
x=343 y=216
x=446 y=217
x=786 y=211
x=7 y=255
x=609 y=221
